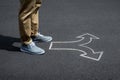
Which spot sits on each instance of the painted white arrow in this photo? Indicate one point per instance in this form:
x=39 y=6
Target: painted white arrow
x=79 y=45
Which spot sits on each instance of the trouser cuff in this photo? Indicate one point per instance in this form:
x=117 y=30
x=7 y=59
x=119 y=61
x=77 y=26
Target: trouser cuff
x=27 y=42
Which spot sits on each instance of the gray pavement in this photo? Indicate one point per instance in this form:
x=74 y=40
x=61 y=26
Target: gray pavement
x=63 y=20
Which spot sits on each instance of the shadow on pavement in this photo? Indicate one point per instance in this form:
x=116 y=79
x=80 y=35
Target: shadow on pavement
x=6 y=43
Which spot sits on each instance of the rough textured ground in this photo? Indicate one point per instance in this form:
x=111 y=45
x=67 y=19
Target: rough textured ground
x=63 y=20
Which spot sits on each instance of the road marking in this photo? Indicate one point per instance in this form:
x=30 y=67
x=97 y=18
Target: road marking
x=79 y=45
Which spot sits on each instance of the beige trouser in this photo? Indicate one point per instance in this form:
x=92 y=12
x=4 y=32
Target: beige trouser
x=28 y=19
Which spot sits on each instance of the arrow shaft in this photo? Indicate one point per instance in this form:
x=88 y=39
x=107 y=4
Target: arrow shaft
x=71 y=46
x=61 y=45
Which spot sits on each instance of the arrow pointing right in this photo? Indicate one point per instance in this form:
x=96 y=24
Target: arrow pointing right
x=82 y=43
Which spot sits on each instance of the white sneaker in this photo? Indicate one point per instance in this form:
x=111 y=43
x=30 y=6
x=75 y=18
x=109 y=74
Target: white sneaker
x=41 y=38
x=32 y=49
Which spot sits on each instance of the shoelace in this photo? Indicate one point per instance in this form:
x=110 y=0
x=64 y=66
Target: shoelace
x=32 y=44
x=40 y=34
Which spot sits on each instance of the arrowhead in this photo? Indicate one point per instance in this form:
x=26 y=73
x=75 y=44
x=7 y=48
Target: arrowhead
x=88 y=35
x=96 y=56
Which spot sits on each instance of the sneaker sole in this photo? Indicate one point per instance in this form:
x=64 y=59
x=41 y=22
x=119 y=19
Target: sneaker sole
x=32 y=53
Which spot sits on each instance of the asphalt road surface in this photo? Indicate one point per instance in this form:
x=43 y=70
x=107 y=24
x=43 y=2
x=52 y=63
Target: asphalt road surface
x=63 y=20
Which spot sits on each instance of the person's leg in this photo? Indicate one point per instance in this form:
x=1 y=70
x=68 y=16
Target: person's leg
x=35 y=19
x=36 y=36
x=26 y=10
x=28 y=7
